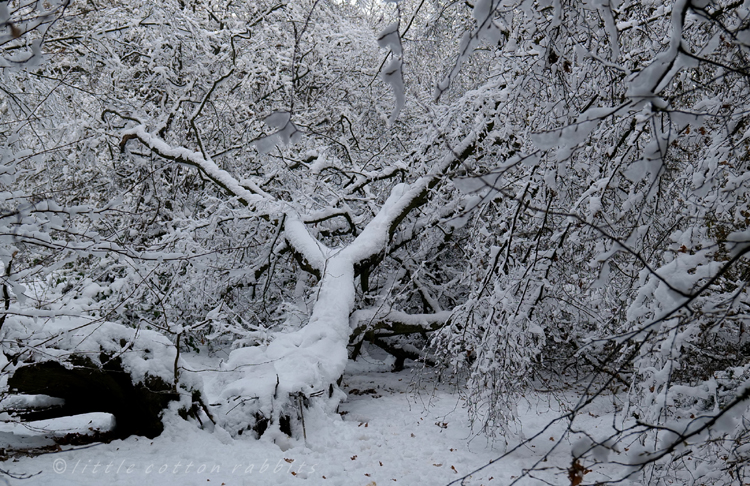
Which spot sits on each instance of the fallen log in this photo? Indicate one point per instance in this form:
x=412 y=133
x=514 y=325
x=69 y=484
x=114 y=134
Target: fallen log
x=88 y=387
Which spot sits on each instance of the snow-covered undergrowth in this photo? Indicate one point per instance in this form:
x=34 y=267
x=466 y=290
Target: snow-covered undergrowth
x=142 y=352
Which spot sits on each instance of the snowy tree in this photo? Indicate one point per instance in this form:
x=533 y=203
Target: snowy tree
x=622 y=240
x=501 y=189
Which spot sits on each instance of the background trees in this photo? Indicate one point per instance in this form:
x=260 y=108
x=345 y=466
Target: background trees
x=564 y=188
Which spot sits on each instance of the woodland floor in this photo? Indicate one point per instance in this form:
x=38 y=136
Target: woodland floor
x=395 y=428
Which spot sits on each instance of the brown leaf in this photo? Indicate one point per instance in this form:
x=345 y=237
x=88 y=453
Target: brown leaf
x=576 y=473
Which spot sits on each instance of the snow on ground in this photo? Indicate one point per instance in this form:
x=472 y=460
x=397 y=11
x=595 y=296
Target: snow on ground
x=395 y=428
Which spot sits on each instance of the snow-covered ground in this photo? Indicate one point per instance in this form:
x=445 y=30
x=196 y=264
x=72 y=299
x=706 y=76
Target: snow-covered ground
x=395 y=428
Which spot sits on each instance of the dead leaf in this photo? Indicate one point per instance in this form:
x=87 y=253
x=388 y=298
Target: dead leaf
x=576 y=473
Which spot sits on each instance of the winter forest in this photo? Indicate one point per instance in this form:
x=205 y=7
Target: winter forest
x=274 y=241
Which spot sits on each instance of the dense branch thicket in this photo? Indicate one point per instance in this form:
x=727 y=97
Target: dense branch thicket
x=504 y=189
